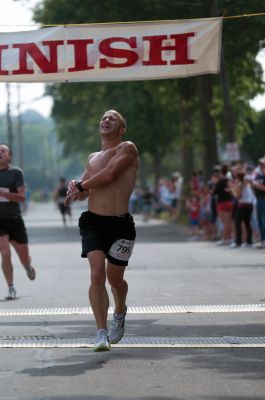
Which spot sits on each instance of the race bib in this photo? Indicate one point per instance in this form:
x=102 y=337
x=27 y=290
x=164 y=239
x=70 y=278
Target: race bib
x=122 y=249
x=2 y=198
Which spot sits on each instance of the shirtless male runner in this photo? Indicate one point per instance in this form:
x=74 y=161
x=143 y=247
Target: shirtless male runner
x=107 y=228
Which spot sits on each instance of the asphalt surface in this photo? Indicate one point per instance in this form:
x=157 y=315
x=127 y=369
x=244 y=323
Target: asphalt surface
x=165 y=269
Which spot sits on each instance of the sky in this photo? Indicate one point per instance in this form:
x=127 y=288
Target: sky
x=16 y=16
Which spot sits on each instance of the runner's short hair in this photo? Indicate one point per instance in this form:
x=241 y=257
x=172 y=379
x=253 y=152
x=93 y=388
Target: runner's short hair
x=4 y=144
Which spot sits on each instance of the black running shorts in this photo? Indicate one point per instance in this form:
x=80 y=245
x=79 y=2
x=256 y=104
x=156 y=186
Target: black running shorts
x=115 y=236
x=63 y=209
x=15 y=229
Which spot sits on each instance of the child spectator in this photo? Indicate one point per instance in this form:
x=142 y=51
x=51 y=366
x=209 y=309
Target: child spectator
x=193 y=208
x=207 y=220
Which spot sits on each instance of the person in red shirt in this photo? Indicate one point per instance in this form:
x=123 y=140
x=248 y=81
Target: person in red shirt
x=193 y=208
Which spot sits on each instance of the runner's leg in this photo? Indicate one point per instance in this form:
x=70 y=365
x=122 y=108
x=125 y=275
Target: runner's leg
x=22 y=250
x=98 y=295
x=119 y=286
x=7 y=266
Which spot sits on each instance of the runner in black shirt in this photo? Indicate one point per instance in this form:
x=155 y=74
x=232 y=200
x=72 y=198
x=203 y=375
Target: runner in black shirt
x=60 y=194
x=12 y=228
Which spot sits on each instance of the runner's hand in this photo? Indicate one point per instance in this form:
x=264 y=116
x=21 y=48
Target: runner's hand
x=72 y=196
x=71 y=186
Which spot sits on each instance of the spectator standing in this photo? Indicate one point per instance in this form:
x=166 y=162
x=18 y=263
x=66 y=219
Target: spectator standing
x=242 y=191
x=224 y=206
x=259 y=188
x=164 y=195
x=175 y=195
x=147 y=201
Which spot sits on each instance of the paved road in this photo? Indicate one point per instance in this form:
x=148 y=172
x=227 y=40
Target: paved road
x=166 y=270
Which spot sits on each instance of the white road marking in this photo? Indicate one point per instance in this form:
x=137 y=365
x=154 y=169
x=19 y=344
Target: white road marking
x=5 y=312
x=136 y=342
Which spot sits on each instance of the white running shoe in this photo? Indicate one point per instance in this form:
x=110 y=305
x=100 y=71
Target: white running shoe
x=223 y=242
x=31 y=273
x=235 y=246
x=11 y=295
x=247 y=245
x=117 y=328
x=102 y=341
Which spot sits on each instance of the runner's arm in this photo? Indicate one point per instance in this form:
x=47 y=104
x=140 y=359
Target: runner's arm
x=15 y=197
x=258 y=186
x=73 y=193
x=113 y=169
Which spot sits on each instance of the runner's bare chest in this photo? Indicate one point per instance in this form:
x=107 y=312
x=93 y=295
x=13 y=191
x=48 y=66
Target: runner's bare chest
x=101 y=159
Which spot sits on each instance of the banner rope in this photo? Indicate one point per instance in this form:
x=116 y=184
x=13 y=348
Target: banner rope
x=137 y=22
x=243 y=15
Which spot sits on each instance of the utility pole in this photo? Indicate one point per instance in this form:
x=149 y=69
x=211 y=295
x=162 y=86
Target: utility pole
x=19 y=131
x=8 y=117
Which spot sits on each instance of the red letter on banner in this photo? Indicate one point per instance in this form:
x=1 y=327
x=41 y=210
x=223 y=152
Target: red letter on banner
x=180 y=49
x=106 y=49
x=2 y=47
x=80 y=50
x=40 y=59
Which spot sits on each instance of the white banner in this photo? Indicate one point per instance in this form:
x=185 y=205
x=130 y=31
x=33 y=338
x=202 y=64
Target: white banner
x=112 y=52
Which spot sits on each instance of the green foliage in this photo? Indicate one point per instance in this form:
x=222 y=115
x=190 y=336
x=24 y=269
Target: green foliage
x=254 y=143
x=152 y=108
x=43 y=161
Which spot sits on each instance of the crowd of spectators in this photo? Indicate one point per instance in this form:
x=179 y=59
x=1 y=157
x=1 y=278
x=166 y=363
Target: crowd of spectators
x=162 y=198
x=229 y=208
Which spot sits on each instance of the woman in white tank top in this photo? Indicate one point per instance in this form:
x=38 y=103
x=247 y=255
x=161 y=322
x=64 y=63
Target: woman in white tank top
x=243 y=192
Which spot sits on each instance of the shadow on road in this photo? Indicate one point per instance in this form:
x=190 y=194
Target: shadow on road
x=236 y=364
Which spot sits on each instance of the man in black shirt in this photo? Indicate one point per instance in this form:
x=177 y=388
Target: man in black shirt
x=12 y=228
x=59 y=196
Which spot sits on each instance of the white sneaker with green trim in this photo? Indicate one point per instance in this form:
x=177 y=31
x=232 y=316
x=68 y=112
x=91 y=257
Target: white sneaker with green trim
x=102 y=341
x=11 y=295
x=117 y=328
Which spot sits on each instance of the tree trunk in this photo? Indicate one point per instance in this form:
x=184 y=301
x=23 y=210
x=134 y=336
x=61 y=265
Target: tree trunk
x=157 y=166
x=142 y=172
x=228 y=110
x=186 y=138
x=208 y=124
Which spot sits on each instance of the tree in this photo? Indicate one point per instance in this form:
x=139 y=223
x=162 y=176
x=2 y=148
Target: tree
x=155 y=109
x=44 y=162
x=254 y=143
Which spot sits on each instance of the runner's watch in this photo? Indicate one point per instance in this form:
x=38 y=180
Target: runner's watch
x=79 y=186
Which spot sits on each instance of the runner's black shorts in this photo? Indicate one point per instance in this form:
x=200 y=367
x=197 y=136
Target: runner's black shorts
x=63 y=209
x=14 y=228
x=115 y=236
